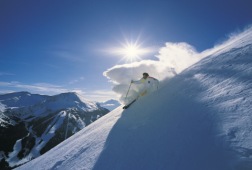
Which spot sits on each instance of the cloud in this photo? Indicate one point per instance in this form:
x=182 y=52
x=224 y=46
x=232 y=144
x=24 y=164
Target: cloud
x=53 y=66
x=69 y=55
x=98 y=95
x=6 y=91
x=76 y=80
x=172 y=59
x=177 y=56
x=43 y=88
x=51 y=89
x=6 y=74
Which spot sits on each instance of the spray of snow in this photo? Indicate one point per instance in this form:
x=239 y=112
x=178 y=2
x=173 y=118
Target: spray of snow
x=171 y=59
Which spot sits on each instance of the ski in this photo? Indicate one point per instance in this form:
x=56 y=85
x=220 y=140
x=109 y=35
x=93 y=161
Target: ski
x=128 y=105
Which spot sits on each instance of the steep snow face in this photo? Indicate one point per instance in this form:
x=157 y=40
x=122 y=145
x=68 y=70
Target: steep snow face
x=200 y=119
x=228 y=90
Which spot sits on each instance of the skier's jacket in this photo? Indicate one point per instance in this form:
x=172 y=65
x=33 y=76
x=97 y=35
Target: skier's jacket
x=149 y=85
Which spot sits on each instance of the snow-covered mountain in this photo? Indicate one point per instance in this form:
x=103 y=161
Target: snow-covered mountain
x=199 y=120
x=110 y=104
x=32 y=124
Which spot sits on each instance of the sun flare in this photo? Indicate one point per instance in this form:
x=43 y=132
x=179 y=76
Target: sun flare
x=131 y=51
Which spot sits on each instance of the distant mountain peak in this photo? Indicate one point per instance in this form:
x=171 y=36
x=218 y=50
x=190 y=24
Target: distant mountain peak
x=69 y=96
x=31 y=124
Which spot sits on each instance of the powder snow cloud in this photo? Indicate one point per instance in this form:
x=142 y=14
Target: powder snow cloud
x=171 y=59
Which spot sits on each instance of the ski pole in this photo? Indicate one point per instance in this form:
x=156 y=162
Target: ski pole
x=128 y=90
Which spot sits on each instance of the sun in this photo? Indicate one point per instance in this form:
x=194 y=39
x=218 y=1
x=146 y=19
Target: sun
x=131 y=51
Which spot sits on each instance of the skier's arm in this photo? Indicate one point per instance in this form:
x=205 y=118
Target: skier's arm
x=137 y=81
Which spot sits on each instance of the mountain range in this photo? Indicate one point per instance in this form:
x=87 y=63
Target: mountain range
x=32 y=124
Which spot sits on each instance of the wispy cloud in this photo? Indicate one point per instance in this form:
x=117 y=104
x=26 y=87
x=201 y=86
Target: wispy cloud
x=6 y=91
x=51 y=89
x=43 y=88
x=6 y=74
x=68 y=55
x=98 y=95
x=76 y=80
x=53 y=66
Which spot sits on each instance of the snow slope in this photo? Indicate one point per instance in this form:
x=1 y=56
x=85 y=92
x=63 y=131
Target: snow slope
x=200 y=119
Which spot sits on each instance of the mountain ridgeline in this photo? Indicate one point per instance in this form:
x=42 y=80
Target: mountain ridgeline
x=32 y=124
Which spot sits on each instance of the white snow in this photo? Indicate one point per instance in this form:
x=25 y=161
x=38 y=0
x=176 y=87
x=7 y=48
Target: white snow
x=87 y=143
x=200 y=119
x=40 y=142
x=49 y=132
x=12 y=157
x=5 y=120
x=2 y=107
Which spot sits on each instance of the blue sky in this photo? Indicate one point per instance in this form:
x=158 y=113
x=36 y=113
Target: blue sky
x=49 y=47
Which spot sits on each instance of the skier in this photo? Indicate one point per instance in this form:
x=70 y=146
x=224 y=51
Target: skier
x=149 y=84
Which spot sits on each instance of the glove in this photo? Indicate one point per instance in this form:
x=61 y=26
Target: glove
x=131 y=81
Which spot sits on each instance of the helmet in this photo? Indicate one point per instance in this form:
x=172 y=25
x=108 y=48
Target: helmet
x=145 y=74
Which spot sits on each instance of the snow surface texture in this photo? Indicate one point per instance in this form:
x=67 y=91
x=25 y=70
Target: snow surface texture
x=200 y=119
